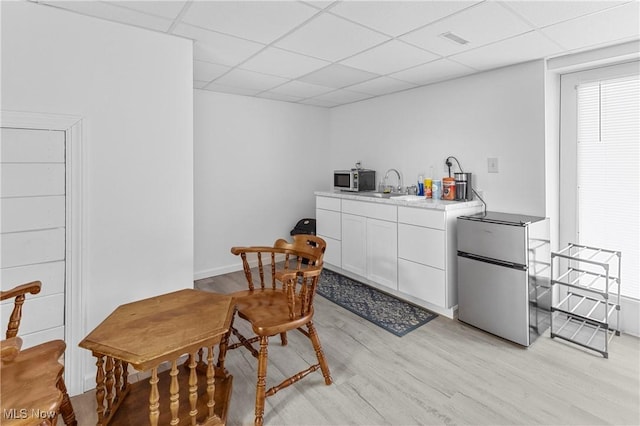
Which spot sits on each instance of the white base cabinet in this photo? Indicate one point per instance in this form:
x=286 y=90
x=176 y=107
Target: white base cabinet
x=354 y=244
x=409 y=251
x=329 y=227
x=370 y=241
x=382 y=252
x=422 y=281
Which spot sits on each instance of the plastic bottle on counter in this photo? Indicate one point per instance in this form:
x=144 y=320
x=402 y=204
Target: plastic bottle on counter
x=436 y=189
x=428 y=193
x=420 y=185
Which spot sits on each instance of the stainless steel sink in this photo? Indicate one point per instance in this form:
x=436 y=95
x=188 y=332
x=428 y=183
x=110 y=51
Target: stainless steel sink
x=380 y=194
x=408 y=198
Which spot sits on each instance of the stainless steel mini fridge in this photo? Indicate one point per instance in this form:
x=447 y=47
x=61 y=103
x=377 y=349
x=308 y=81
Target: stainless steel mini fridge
x=504 y=274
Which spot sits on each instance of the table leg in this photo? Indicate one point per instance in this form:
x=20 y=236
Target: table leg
x=109 y=383
x=211 y=386
x=193 y=388
x=118 y=374
x=154 y=398
x=100 y=388
x=174 y=397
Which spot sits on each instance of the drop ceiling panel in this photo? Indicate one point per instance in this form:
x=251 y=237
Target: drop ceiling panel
x=197 y=84
x=250 y=80
x=319 y=102
x=342 y=96
x=166 y=9
x=381 y=86
x=301 y=89
x=479 y=25
x=219 y=48
x=431 y=72
x=262 y=21
x=397 y=17
x=215 y=87
x=205 y=71
x=279 y=97
x=331 y=38
x=518 y=49
x=544 y=13
x=390 y=57
x=114 y=13
x=599 y=28
x=283 y=63
x=337 y=76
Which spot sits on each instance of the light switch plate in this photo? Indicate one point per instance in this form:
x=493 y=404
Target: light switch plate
x=492 y=165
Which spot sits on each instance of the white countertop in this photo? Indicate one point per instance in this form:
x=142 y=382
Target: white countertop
x=423 y=203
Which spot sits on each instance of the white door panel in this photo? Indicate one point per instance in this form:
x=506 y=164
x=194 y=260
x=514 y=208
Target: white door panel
x=382 y=252
x=30 y=213
x=32 y=146
x=51 y=274
x=28 y=180
x=422 y=281
x=24 y=248
x=354 y=244
x=46 y=335
x=33 y=228
x=328 y=224
x=38 y=313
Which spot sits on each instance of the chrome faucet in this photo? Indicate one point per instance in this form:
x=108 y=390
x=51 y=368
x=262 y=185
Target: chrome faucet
x=399 y=187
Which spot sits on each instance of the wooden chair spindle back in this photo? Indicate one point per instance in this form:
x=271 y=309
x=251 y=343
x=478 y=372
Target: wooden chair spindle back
x=18 y=293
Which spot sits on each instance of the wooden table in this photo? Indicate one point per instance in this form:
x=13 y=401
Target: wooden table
x=148 y=333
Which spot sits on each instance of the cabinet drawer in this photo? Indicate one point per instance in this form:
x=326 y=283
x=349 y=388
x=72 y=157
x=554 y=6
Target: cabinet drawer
x=373 y=210
x=422 y=217
x=328 y=203
x=422 y=281
x=422 y=245
x=328 y=224
x=333 y=253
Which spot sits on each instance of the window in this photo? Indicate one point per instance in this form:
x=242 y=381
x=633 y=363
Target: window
x=602 y=165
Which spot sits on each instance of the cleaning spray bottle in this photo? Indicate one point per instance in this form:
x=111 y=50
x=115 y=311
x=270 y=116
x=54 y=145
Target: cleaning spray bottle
x=428 y=193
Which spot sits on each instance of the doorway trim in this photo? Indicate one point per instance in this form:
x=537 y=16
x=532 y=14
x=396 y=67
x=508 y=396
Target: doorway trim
x=74 y=235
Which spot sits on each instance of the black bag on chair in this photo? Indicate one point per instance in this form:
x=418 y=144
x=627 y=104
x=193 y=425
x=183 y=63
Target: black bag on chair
x=305 y=226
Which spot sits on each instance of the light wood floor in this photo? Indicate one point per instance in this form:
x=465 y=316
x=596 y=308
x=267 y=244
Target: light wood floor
x=445 y=372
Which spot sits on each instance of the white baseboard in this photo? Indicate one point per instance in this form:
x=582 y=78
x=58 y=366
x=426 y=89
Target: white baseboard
x=630 y=316
x=221 y=270
x=217 y=271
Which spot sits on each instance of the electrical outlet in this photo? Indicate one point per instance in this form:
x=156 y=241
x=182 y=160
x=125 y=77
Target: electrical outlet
x=492 y=165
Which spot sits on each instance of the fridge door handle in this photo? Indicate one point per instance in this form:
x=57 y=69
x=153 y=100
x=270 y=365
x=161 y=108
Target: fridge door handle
x=492 y=261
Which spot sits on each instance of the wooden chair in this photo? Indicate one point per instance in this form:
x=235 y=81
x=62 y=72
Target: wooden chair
x=284 y=305
x=32 y=378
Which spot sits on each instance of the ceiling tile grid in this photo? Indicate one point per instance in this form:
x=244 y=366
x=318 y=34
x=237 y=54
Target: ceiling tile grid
x=329 y=53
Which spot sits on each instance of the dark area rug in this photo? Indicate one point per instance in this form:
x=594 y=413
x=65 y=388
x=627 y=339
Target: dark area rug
x=386 y=311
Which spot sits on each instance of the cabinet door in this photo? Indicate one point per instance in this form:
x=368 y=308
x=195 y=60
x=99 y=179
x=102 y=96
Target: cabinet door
x=328 y=224
x=333 y=254
x=354 y=244
x=422 y=281
x=422 y=245
x=382 y=252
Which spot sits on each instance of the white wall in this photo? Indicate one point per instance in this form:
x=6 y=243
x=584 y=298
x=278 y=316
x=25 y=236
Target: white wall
x=257 y=164
x=133 y=89
x=497 y=113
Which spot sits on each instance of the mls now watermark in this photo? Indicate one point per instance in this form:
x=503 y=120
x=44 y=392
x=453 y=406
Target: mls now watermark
x=24 y=413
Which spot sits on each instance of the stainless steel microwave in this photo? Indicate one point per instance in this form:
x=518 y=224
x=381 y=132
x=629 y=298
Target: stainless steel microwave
x=354 y=180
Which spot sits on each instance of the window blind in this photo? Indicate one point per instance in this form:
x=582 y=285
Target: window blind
x=608 y=178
